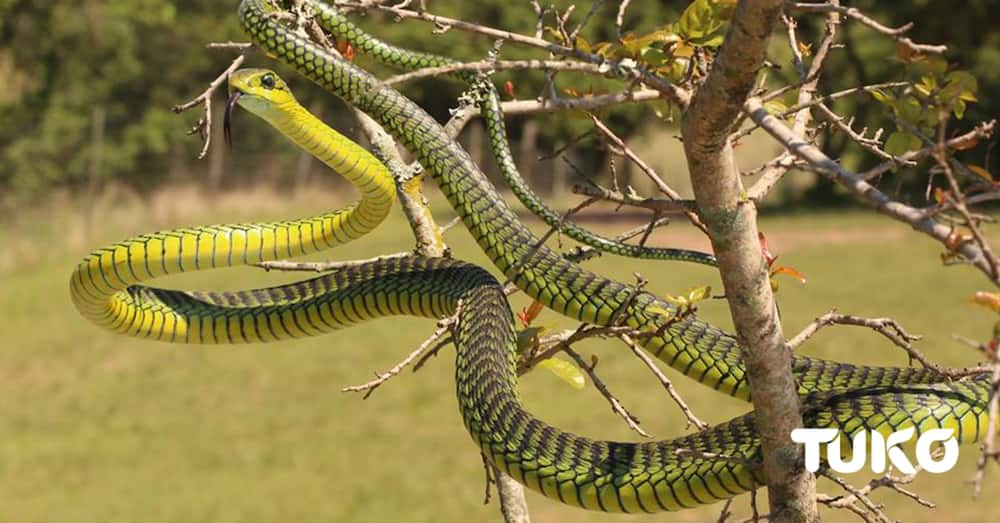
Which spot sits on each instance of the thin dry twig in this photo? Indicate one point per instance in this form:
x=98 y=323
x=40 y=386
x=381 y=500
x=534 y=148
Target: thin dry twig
x=620 y=17
x=990 y=450
x=228 y=45
x=896 y=33
x=325 y=266
x=616 y=404
x=981 y=131
x=869 y=508
x=204 y=124
x=659 y=205
x=819 y=162
x=808 y=84
x=444 y=326
x=645 y=168
x=956 y=198
x=665 y=381
x=887 y=327
x=499 y=65
x=674 y=92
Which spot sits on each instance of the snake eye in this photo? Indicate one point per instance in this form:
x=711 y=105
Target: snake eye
x=267 y=81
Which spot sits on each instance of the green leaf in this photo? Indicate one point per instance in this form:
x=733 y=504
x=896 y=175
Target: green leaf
x=901 y=142
x=565 y=371
x=702 y=22
x=526 y=337
x=635 y=46
x=884 y=97
x=964 y=84
x=909 y=109
x=926 y=86
x=654 y=56
x=678 y=301
x=660 y=311
x=775 y=107
x=699 y=293
x=933 y=64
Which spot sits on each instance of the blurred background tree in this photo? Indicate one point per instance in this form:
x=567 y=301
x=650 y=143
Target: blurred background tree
x=89 y=86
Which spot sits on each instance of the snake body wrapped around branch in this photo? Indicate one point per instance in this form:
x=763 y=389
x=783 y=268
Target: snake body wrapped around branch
x=599 y=475
x=343 y=29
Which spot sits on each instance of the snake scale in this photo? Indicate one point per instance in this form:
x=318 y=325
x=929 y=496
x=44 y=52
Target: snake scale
x=592 y=474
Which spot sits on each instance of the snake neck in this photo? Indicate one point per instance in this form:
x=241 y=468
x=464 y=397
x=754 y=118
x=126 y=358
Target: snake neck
x=336 y=151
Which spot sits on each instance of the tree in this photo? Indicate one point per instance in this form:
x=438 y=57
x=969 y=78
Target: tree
x=707 y=66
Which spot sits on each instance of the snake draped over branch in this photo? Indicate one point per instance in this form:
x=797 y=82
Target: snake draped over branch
x=592 y=474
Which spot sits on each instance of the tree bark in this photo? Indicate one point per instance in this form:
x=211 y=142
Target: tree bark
x=731 y=220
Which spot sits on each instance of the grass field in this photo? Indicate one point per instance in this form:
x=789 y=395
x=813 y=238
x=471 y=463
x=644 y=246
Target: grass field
x=101 y=428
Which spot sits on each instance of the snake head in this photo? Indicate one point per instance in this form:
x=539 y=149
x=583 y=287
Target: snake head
x=260 y=91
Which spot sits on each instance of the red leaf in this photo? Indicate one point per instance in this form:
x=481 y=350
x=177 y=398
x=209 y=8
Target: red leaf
x=768 y=256
x=529 y=313
x=346 y=49
x=940 y=195
x=508 y=87
x=957 y=238
x=789 y=271
x=989 y=300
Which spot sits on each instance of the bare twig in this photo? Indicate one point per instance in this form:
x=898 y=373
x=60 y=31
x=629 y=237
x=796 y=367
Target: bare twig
x=654 y=204
x=956 y=198
x=204 y=124
x=499 y=65
x=584 y=253
x=809 y=80
x=819 y=162
x=584 y=103
x=982 y=131
x=616 y=404
x=990 y=450
x=862 y=495
x=629 y=71
x=665 y=381
x=645 y=168
x=444 y=326
x=228 y=45
x=896 y=33
x=887 y=327
x=325 y=266
x=594 y=6
x=620 y=17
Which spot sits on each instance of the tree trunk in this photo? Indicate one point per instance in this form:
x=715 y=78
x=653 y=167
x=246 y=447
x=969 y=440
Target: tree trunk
x=731 y=221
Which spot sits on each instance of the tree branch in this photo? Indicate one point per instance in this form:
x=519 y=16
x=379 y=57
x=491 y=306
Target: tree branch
x=204 y=124
x=821 y=163
x=674 y=92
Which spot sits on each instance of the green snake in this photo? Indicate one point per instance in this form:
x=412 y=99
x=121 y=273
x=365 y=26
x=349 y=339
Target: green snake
x=104 y=285
x=597 y=475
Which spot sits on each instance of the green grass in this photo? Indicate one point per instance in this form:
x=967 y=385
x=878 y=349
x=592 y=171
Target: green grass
x=102 y=428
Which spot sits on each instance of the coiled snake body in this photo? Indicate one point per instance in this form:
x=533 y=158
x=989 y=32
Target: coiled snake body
x=597 y=475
